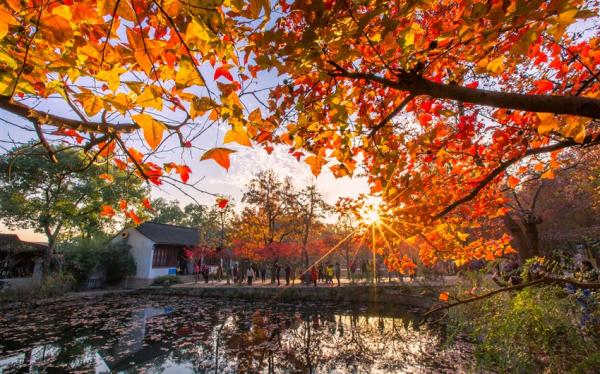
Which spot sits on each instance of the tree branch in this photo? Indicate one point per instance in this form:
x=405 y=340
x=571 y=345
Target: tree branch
x=393 y=114
x=504 y=165
x=35 y=117
x=545 y=280
x=574 y=105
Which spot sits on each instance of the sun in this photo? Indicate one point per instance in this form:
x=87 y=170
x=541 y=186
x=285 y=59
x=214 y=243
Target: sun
x=370 y=216
x=370 y=212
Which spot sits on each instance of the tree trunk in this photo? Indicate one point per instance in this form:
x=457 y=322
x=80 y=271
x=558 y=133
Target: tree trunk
x=525 y=236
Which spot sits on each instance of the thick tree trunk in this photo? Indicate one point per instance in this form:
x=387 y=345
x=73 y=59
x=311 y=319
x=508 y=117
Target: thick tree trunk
x=525 y=236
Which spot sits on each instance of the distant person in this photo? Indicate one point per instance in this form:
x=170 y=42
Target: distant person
x=196 y=272
x=314 y=275
x=288 y=273
x=330 y=273
x=236 y=273
x=277 y=273
x=352 y=271
x=250 y=275
x=321 y=273
x=220 y=272
x=338 y=272
x=263 y=272
x=204 y=270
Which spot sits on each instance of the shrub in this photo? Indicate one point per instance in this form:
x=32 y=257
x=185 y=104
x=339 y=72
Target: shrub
x=536 y=330
x=84 y=256
x=56 y=284
x=166 y=280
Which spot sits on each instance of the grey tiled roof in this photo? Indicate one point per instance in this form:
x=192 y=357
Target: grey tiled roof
x=169 y=234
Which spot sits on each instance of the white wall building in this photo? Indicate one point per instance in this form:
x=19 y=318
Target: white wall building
x=157 y=249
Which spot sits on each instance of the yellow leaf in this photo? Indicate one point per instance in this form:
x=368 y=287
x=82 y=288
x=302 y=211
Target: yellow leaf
x=548 y=122
x=220 y=155
x=496 y=66
x=238 y=135
x=122 y=103
x=64 y=11
x=92 y=104
x=89 y=51
x=149 y=99
x=112 y=77
x=316 y=164
x=567 y=17
x=6 y=18
x=6 y=84
x=143 y=60
x=462 y=236
x=186 y=74
x=153 y=130
x=575 y=128
x=255 y=116
x=195 y=32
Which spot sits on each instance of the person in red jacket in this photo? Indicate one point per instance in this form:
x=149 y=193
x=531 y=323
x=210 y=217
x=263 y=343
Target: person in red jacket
x=314 y=275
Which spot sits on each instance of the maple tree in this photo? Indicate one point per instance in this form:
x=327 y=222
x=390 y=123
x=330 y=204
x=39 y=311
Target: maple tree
x=444 y=104
x=269 y=220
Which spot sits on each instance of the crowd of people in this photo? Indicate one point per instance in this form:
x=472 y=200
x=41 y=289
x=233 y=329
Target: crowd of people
x=276 y=273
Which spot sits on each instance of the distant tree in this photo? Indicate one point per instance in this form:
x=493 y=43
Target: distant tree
x=167 y=212
x=73 y=197
x=311 y=207
x=270 y=205
x=212 y=222
x=562 y=203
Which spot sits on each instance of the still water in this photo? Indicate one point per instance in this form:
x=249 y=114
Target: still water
x=152 y=334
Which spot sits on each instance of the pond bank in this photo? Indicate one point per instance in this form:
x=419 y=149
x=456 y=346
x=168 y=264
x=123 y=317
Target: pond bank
x=411 y=296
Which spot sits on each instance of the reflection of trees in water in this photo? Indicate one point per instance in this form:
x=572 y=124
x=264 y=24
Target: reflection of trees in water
x=208 y=336
x=270 y=341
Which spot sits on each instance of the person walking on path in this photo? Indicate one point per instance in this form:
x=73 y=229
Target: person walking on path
x=250 y=275
x=263 y=272
x=288 y=273
x=277 y=273
x=235 y=273
x=204 y=271
x=321 y=273
x=314 y=275
x=338 y=272
x=352 y=271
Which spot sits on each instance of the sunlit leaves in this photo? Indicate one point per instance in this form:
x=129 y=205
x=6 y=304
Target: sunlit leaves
x=6 y=19
x=222 y=72
x=219 y=155
x=153 y=130
x=237 y=135
x=316 y=164
x=548 y=122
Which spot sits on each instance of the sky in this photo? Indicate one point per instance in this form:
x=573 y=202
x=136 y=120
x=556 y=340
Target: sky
x=245 y=163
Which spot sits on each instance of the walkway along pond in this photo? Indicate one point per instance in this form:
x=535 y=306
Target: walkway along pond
x=143 y=332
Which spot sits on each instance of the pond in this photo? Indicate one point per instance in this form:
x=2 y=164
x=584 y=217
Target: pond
x=135 y=333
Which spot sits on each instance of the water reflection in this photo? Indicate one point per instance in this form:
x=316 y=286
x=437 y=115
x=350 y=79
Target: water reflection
x=182 y=335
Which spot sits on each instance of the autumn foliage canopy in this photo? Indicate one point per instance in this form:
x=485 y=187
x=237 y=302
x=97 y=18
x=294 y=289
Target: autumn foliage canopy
x=445 y=105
